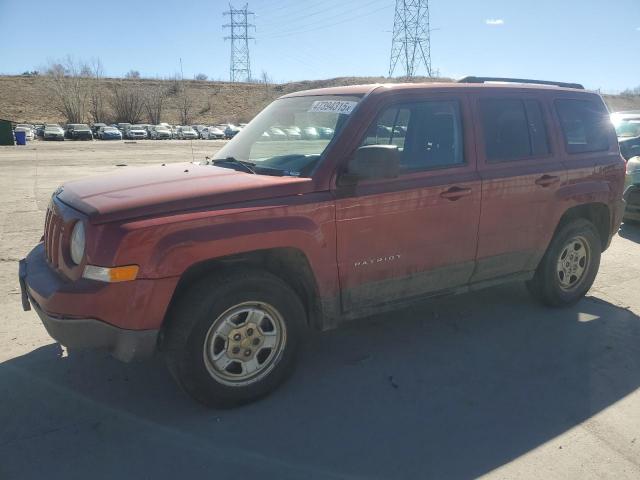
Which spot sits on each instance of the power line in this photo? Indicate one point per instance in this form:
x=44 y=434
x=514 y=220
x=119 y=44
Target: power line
x=411 y=44
x=322 y=24
x=240 y=63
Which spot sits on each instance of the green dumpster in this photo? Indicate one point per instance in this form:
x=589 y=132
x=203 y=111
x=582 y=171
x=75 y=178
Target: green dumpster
x=6 y=132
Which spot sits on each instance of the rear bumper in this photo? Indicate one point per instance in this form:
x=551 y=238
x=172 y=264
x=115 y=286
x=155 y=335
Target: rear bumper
x=123 y=318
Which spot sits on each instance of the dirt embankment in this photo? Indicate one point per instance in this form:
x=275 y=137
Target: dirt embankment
x=28 y=99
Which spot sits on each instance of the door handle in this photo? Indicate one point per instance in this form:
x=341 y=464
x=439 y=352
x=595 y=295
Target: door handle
x=547 y=180
x=455 y=193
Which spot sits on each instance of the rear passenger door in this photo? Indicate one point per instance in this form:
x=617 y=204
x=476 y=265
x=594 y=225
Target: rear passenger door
x=414 y=234
x=521 y=175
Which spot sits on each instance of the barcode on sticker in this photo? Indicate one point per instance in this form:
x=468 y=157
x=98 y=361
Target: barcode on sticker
x=333 y=106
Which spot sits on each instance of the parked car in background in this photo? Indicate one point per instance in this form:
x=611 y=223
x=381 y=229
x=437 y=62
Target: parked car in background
x=276 y=133
x=109 y=133
x=95 y=128
x=187 y=133
x=160 y=132
x=325 y=132
x=123 y=127
x=310 y=133
x=627 y=125
x=231 y=131
x=53 y=132
x=28 y=132
x=632 y=190
x=68 y=128
x=211 y=133
x=39 y=131
x=293 y=133
x=198 y=129
x=78 y=131
x=136 y=132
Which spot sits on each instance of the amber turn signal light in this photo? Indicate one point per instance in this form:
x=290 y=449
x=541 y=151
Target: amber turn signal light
x=111 y=274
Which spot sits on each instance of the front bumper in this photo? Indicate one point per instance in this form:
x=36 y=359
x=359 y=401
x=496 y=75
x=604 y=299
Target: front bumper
x=40 y=287
x=632 y=198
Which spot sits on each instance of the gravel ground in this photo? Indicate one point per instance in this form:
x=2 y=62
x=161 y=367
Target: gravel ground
x=488 y=383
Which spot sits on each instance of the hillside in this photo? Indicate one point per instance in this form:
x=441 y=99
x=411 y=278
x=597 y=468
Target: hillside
x=27 y=99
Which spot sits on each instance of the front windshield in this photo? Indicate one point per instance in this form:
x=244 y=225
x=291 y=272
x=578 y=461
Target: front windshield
x=280 y=138
x=628 y=128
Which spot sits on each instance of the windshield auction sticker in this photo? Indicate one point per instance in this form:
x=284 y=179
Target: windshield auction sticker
x=332 y=106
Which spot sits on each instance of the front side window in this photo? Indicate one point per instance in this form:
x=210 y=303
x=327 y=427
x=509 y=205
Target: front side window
x=514 y=129
x=428 y=134
x=290 y=135
x=586 y=125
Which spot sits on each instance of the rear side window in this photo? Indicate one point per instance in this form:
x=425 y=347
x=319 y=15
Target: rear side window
x=514 y=129
x=428 y=134
x=585 y=125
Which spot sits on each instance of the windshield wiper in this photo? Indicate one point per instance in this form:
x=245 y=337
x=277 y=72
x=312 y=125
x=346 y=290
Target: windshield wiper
x=247 y=166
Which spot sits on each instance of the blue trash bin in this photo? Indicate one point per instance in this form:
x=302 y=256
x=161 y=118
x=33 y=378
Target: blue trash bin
x=21 y=138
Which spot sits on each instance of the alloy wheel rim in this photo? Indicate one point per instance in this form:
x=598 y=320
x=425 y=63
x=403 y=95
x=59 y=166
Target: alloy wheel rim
x=573 y=263
x=244 y=344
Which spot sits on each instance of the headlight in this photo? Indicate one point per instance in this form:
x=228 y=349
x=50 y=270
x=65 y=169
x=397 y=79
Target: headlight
x=77 y=243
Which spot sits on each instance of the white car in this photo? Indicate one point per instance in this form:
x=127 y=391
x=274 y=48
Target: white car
x=27 y=130
x=160 y=132
x=136 y=132
x=211 y=133
x=53 y=132
x=187 y=133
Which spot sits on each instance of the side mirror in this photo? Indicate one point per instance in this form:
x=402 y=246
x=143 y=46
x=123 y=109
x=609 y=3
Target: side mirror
x=372 y=162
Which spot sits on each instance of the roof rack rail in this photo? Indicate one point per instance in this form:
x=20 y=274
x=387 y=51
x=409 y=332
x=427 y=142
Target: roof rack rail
x=519 y=80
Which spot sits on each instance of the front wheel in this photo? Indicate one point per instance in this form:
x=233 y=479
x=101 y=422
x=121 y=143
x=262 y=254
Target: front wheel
x=233 y=338
x=569 y=267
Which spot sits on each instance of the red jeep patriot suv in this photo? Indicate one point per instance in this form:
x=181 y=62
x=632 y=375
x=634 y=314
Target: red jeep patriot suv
x=331 y=204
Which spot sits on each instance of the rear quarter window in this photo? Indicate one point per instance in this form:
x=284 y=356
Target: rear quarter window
x=586 y=126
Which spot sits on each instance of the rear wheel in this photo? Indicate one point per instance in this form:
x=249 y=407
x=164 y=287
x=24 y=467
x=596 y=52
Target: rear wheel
x=569 y=267
x=233 y=338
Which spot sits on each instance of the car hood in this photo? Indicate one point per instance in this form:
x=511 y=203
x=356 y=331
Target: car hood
x=147 y=191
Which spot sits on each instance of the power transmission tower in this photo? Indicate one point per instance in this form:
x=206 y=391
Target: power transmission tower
x=240 y=66
x=411 y=44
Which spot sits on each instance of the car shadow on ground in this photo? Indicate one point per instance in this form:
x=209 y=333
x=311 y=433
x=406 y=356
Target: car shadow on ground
x=452 y=388
x=630 y=231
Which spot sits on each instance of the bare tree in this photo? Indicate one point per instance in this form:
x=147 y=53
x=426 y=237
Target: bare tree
x=127 y=102
x=134 y=74
x=631 y=92
x=154 y=103
x=200 y=77
x=175 y=85
x=68 y=89
x=97 y=102
x=185 y=108
x=265 y=80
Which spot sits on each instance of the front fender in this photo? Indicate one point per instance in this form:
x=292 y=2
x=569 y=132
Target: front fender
x=167 y=247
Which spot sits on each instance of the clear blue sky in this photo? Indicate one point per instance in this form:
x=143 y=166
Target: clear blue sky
x=590 y=41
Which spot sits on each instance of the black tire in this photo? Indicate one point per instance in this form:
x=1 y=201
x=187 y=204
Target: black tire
x=546 y=284
x=196 y=311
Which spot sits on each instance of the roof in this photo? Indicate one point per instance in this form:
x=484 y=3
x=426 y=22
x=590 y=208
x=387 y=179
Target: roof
x=365 y=89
